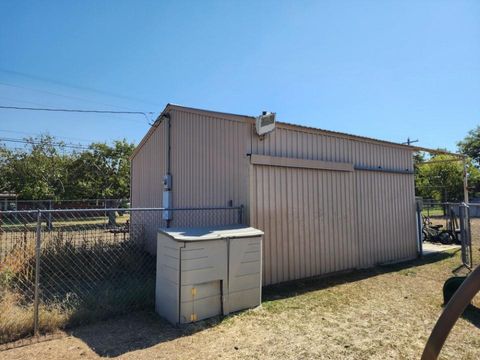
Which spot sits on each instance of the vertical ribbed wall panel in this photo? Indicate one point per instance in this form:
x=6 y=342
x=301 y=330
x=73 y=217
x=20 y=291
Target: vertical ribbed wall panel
x=209 y=160
x=385 y=217
x=148 y=168
x=315 y=146
x=309 y=221
x=317 y=222
x=372 y=212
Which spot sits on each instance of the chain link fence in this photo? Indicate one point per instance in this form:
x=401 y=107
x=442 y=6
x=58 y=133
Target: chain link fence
x=62 y=268
x=9 y=202
x=452 y=225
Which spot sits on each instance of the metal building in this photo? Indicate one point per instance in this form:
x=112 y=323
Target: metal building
x=326 y=201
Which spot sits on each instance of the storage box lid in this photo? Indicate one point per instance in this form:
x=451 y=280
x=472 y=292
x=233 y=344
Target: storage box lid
x=210 y=233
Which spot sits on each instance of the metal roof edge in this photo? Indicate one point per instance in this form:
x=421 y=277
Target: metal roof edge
x=149 y=133
x=170 y=106
x=285 y=125
x=212 y=113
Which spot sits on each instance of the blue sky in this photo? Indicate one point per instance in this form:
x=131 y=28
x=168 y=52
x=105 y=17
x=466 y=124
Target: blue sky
x=384 y=69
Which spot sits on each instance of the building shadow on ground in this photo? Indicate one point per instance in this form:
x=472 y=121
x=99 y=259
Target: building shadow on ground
x=123 y=334
x=141 y=330
x=298 y=287
x=135 y=331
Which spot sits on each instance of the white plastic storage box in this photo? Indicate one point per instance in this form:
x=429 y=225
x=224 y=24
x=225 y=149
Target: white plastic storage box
x=204 y=272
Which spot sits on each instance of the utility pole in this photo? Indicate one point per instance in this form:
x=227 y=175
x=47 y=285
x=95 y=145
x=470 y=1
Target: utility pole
x=409 y=142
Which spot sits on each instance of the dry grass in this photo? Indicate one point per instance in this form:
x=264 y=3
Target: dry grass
x=78 y=284
x=16 y=320
x=383 y=313
x=16 y=297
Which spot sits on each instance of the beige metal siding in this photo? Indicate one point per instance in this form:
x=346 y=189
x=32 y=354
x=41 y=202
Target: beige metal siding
x=301 y=144
x=308 y=217
x=148 y=168
x=209 y=160
x=300 y=163
x=318 y=222
x=385 y=217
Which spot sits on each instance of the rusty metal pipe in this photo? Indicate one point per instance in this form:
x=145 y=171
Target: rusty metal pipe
x=453 y=310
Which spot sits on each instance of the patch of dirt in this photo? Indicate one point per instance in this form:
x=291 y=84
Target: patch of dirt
x=383 y=313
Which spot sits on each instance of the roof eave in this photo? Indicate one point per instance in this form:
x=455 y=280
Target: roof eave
x=251 y=119
x=149 y=133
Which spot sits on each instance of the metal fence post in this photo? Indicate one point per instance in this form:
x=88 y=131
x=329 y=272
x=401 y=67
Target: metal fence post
x=49 y=218
x=469 y=237
x=38 y=240
x=461 y=213
x=419 y=229
x=465 y=235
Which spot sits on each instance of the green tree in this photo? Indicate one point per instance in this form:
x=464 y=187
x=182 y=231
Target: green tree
x=470 y=146
x=442 y=179
x=103 y=171
x=37 y=171
x=5 y=155
x=45 y=169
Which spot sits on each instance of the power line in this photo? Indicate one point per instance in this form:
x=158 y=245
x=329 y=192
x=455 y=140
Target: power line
x=60 y=95
x=79 y=111
x=55 y=136
x=83 y=88
x=33 y=142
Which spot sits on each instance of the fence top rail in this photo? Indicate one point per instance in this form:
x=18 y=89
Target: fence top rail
x=473 y=204
x=68 y=200
x=120 y=209
x=427 y=203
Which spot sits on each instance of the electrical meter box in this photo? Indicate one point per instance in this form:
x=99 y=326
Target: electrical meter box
x=204 y=272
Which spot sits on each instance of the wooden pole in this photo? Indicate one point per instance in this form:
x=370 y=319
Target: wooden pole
x=465 y=181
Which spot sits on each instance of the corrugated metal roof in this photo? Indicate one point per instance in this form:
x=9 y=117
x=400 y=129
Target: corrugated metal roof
x=286 y=124
x=281 y=123
x=309 y=129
